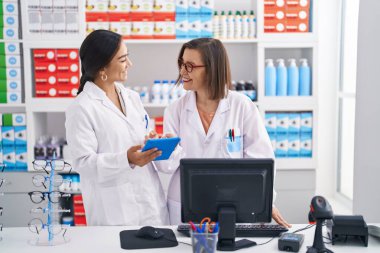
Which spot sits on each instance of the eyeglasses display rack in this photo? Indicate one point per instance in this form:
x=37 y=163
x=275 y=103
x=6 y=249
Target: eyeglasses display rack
x=52 y=232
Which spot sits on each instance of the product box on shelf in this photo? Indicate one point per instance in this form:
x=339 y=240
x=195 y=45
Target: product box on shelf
x=282 y=123
x=181 y=7
x=8 y=135
x=166 y=7
x=194 y=28
x=9 y=157
x=95 y=21
x=142 y=29
x=120 y=24
x=181 y=26
x=194 y=7
x=306 y=122
x=306 y=144
x=72 y=22
x=96 y=5
x=21 y=158
x=119 y=6
x=9 y=8
x=9 y=33
x=142 y=6
x=20 y=135
x=10 y=86
x=281 y=145
x=270 y=122
x=294 y=122
x=164 y=27
x=293 y=145
x=10 y=48
x=207 y=6
x=206 y=26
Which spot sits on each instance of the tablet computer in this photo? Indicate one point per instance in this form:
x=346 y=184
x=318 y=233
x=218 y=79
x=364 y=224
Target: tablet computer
x=166 y=145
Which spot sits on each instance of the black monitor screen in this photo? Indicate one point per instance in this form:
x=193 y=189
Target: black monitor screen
x=207 y=185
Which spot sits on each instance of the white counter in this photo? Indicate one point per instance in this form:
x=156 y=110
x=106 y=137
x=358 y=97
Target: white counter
x=106 y=240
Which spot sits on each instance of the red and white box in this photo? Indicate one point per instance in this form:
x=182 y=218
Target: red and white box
x=43 y=55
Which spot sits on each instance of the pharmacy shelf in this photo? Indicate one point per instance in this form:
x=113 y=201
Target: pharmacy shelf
x=49 y=104
x=289 y=103
x=288 y=38
x=12 y=105
x=295 y=163
x=182 y=41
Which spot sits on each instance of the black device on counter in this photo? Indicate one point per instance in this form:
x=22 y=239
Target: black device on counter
x=320 y=210
x=290 y=242
x=229 y=191
x=343 y=227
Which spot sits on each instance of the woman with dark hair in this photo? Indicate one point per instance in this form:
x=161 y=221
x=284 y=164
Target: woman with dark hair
x=209 y=115
x=105 y=126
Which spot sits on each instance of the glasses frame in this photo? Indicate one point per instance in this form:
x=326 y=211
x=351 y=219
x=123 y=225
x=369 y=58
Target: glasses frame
x=189 y=67
x=2 y=167
x=43 y=198
x=46 y=180
x=48 y=163
x=39 y=210
x=1 y=211
x=43 y=226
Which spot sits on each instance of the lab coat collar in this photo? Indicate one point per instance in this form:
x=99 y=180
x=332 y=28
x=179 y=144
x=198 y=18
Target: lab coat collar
x=97 y=93
x=191 y=106
x=224 y=104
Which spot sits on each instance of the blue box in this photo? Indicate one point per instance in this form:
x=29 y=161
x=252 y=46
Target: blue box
x=21 y=158
x=294 y=123
x=270 y=123
x=8 y=135
x=281 y=145
x=194 y=26
x=206 y=26
x=181 y=6
x=207 y=6
x=282 y=122
x=194 y=7
x=306 y=145
x=20 y=135
x=181 y=26
x=294 y=145
x=306 y=122
x=9 y=157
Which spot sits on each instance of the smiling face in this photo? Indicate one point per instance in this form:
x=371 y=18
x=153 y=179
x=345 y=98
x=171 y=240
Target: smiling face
x=196 y=79
x=117 y=69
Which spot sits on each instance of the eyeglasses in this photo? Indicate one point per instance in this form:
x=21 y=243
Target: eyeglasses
x=1 y=211
x=37 y=197
x=2 y=167
x=41 y=180
x=4 y=182
x=58 y=165
x=189 y=67
x=36 y=226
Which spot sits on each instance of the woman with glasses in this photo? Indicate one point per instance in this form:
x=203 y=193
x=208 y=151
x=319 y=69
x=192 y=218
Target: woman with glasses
x=211 y=120
x=105 y=127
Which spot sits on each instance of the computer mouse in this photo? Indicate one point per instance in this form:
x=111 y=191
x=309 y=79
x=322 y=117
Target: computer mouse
x=149 y=232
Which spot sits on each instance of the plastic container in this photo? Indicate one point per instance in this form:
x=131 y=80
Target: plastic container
x=204 y=242
x=282 y=79
x=305 y=78
x=216 y=25
x=165 y=92
x=293 y=78
x=252 y=25
x=270 y=78
x=156 y=92
x=231 y=25
x=223 y=25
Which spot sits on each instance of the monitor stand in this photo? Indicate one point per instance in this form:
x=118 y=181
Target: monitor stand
x=227 y=232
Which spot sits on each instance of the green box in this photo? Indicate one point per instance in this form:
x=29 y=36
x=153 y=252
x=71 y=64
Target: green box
x=3 y=86
x=7 y=119
x=3 y=73
x=3 y=60
x=3 y=97
x=2 y=48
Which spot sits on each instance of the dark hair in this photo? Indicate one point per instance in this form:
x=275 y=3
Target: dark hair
x=215 y=58
x=96 y=52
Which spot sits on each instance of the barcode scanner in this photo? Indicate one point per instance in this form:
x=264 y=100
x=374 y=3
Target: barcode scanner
x=320 y=210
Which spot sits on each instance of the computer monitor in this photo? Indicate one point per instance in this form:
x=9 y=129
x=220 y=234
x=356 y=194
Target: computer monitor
x=229 y=191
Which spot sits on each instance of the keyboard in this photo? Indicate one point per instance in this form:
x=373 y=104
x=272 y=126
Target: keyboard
x=246 y=230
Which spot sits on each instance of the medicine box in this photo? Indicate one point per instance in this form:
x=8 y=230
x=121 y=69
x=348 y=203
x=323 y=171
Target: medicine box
x=206 y=26
x=194 y=7
x=21 y=158
x=293 y=145
x=281 y=145
x=270 y=122
x=306 y=122
x=119 y=6
x=306 y=145
x=181 y=7
x=181 y=26
x=8 y=135
x=9 y=157
x=207 y=7
x=282 y=122
x=194 y=28
x=294 y=122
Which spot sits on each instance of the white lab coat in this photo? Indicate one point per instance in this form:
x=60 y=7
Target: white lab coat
x=99 y=135
x=237 y=112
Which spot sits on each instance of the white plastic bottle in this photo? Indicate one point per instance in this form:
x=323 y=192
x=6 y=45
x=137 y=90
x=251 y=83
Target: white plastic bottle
x=216 y=25
x=156 y=92
x=173 y=92
x=145 y=95
x=165 y=92
x=252 y=25
x=223 y=26
x=238 y=25
x=245 y=25
x=231 y=25
x=305 y=78
x=282 y=78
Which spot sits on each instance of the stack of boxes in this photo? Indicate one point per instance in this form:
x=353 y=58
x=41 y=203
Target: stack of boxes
x=194 y=18
x=13 y=151
x=79 y=212
x=10 y=73
x=53 y=17
x=9 y=20
x=56 y=72
x=133 y=19
x=287 y=16
x=290 y=133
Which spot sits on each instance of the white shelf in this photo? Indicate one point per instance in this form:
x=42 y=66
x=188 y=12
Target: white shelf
x=49 y=104
x=288 y=37
x=296 y=103
x=296 y=163
x=12 y=105
x=181 y=41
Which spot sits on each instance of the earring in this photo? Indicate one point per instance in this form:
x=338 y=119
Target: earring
x=104 y=77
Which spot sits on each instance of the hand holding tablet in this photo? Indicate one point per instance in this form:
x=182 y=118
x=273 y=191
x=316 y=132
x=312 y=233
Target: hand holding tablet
x=166 y=145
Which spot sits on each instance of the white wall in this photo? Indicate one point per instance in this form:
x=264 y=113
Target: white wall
x=367 y=134
x=328 y=81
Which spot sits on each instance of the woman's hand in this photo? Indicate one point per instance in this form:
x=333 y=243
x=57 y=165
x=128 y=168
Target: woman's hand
x=142 y=158
x=276 y=215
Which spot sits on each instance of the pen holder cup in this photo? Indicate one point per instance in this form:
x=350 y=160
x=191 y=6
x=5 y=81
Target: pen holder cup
x=204 y=242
